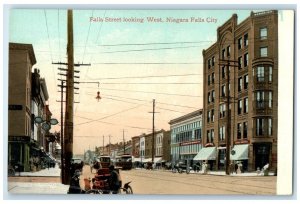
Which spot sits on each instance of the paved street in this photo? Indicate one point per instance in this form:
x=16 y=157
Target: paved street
x=166 y=182
x=153 y=182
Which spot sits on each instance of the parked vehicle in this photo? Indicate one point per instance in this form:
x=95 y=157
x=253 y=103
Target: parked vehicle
x=124 y=162
x=180 y=167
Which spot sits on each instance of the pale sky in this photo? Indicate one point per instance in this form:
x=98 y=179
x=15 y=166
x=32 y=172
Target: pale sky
x=145 y=51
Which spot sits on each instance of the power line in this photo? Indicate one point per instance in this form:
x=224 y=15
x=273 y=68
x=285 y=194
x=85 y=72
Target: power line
x=158 y=43
x=134 y=127
x=140 y=77
x=149 y=49
x=87 y=37
x=172 y=94
x=111 y=115
x=58 y=34
x=48 y=34
x=154 y=63
x=190 y=83
x=147 y=100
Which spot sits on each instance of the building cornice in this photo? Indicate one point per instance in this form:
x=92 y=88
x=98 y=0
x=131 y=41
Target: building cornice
x=27 y=47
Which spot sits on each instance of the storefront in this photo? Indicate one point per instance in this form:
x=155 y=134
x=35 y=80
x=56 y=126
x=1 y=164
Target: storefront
x=207 y=154
x=261 y=154
x=239 y=153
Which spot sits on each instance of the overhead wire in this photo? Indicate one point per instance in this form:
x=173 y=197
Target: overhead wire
x=87 y=37
x=148 y=100
x=146 y=49
x=172 y=94
x=141 y=77
x=111 y=115
x=109 y=123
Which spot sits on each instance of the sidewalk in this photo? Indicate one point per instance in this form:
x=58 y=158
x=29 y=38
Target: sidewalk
x=219 y=173
x=44 y=172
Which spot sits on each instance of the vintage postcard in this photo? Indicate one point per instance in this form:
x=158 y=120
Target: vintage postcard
x=147 y=102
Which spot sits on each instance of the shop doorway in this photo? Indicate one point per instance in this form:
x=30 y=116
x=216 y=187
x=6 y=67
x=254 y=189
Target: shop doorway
x=262 y=154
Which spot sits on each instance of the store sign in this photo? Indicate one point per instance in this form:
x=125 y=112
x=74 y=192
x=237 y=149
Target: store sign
x=15 y=107
x=244 y=141
x=190 y=143
x=19 y=138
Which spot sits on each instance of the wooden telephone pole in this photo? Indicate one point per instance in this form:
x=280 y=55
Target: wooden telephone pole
x=68 y=136
x=228 y=115
x=153 y=130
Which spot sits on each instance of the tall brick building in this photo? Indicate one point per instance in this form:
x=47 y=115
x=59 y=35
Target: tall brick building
x=251 y=51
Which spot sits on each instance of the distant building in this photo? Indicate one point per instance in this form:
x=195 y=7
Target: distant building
x=186 y=136
x=253 y=91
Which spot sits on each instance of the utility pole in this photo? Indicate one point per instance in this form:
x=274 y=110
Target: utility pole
x=109 y=145
x=123 y=141
x=228 y=124
x=153 y=129
x=68 y=129
x=61 y=132
x=103 y=146
x=68 y=136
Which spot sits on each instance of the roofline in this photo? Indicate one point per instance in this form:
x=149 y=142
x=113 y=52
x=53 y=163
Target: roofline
x=21 y=46
x=189 y=115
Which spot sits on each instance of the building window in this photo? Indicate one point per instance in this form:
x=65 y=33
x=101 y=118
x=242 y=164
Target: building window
x=245 y=105
x=212 y=115
x=240 y=61
x=259 y=126
x=240 y=82
x=246 y=60
x=208 y=80
x=212 y=96
x=245 y=130
x=208 y=97
x=223 y=72
x=240 y=106
x=260 y=74
x=270 y=74
x=222 y=110
x=260 y=96
x=240 y=41
x=239 y=131
x=270 y=99
x=212 y=135
x=208 y=138
x=223 y=90
x=263 y=33
x=270 y=127
x=228 y=51
x=223 y=54
x=246 y=40
x=213 y=61
x=212 y=78
x=209 y=65
x=263 y=51
x=198 y=134
x=222 y=133
x=208 y=116
x=246 y=82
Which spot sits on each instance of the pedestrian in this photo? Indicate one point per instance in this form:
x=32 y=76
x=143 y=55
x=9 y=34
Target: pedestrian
x=236 y=168
x=231 y=167
x=114 y=180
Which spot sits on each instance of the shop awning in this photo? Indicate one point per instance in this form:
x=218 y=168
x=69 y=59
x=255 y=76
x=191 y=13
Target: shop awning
x=136 y=159
x=157 y=160
x=239 y=152
x=206 y=153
